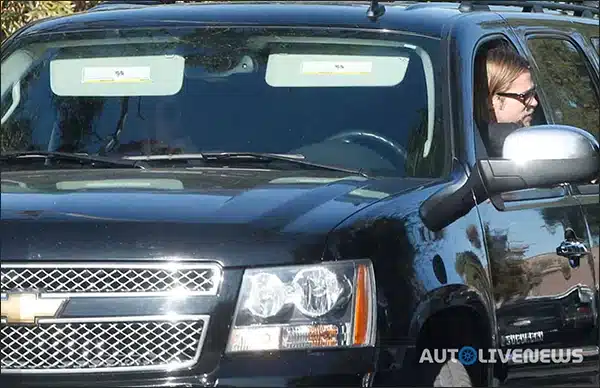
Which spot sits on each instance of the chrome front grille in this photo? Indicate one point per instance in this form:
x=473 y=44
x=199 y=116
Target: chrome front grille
x=99 y=279
x=35 y=337
x=103 y=344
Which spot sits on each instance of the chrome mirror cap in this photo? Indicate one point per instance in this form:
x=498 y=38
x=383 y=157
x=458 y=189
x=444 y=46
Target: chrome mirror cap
x=543 y=142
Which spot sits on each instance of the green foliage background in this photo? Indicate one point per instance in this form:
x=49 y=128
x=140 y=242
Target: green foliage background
x=16 y=13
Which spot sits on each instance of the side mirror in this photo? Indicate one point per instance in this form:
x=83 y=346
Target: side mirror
x=533 y=157
x=541 y=156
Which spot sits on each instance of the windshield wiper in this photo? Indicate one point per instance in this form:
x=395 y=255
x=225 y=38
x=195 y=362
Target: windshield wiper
x=21 y=156
x=245 y=157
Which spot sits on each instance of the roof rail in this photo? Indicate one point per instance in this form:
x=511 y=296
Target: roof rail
x=582 y=8
x=579 y=8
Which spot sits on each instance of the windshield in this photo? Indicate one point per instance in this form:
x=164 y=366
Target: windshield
x=351 y=99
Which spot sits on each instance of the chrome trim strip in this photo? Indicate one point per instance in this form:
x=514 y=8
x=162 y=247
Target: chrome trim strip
x=534 y=194
x=590 y=351
x=68 y=295
x=136 y=318
x=565 y=201
x=173 y=266
x=148 y=318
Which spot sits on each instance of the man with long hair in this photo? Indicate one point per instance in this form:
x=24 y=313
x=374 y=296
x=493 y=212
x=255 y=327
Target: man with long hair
x=505 y=96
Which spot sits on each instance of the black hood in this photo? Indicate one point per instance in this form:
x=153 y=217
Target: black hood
x=225 y=215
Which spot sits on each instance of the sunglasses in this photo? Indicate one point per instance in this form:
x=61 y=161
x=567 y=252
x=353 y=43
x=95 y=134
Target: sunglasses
x=524 y=98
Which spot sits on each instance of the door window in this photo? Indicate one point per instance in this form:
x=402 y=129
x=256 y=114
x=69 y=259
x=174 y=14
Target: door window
x=566 y=81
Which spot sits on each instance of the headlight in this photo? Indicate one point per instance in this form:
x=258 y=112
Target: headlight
x=328 y=305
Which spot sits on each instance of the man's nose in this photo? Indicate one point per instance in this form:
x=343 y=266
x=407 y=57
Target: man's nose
x=533 y=102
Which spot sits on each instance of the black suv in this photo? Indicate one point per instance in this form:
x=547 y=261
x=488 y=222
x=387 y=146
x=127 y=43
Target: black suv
x=200 y=194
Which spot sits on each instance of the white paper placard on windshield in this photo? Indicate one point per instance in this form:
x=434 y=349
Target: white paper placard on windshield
x=339 y=67
x=114 y=74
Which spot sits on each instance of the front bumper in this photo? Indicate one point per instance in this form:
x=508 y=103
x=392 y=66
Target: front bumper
x=278 y=369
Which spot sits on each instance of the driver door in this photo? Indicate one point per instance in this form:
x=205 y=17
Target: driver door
x=544 y=295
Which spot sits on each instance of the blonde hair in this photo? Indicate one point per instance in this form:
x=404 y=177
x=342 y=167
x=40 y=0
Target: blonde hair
x=502 y=67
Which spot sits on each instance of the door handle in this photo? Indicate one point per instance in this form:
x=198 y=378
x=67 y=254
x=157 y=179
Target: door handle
x=572 y=250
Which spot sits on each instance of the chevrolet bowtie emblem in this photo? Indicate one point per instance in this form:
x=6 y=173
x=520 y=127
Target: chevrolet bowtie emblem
x=26 y=308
